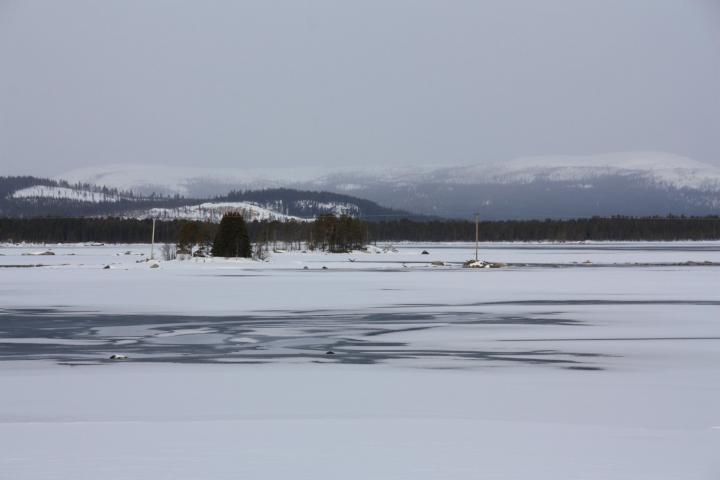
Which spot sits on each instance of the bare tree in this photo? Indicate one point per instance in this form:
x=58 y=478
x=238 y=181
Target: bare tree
x=168 y=251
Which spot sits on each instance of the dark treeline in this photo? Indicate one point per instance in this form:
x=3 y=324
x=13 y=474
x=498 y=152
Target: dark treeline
x=80 y=230
x=117 y=230
x=595 y=228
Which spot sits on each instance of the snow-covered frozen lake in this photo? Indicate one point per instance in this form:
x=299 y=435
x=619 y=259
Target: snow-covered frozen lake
x=591 y=361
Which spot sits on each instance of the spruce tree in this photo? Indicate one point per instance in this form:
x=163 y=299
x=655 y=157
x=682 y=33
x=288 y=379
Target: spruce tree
x=188 y=236
x=232 y=238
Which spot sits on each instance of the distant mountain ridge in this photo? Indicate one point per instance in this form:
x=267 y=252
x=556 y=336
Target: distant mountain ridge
x=629 y=183
x=32 y=197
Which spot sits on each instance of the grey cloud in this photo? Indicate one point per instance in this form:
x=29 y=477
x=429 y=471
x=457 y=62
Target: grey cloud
x=326 y=83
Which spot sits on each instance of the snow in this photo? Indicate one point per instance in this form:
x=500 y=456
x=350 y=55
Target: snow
x=213 y=211
x=57 y=341
x=556 y=370
x=182 y=422
x=43 y=191
x=185 y=331
x=186 y=181
x=656 y=167
x=659 y=168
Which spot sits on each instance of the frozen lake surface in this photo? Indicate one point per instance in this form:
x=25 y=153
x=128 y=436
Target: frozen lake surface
x=592 y=361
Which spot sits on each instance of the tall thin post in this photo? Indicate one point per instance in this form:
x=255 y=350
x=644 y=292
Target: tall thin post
x=477 y=234
x=152 y=243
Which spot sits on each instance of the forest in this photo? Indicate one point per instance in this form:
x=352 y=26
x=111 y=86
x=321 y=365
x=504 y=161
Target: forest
x=294 y=234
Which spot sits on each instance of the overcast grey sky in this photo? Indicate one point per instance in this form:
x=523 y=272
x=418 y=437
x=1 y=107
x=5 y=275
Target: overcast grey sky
x=234 y=83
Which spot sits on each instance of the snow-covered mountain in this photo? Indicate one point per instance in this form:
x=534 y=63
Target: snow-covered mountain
x=195 y=182
x=664 y=169
x=634 y=183
x=31 y=196
x=659 y=168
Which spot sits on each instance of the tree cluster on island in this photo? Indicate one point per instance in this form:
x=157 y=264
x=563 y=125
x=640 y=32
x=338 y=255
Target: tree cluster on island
x=231 y=239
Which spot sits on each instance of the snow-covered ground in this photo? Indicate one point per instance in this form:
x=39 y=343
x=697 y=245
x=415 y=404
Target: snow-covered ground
x=553 y=369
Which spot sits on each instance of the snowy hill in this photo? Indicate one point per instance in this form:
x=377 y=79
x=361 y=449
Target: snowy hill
x=631 y=183
x=194 y=182
x=65 y=193
x=661 y=168
x=213 y=212
x=270 y=205
x=664 y=169
x=33 y=196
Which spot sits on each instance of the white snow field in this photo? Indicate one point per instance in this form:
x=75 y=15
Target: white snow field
x=550 y=368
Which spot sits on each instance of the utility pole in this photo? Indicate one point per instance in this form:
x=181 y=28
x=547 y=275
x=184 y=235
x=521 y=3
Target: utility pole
x=477 y=234
x=152 y=243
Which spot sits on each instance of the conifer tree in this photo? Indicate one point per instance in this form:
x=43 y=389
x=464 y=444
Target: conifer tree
x=188 y=236
x=232 y=238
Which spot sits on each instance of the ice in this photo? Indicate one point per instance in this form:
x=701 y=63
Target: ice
x=552 y=370
x=185 y=331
